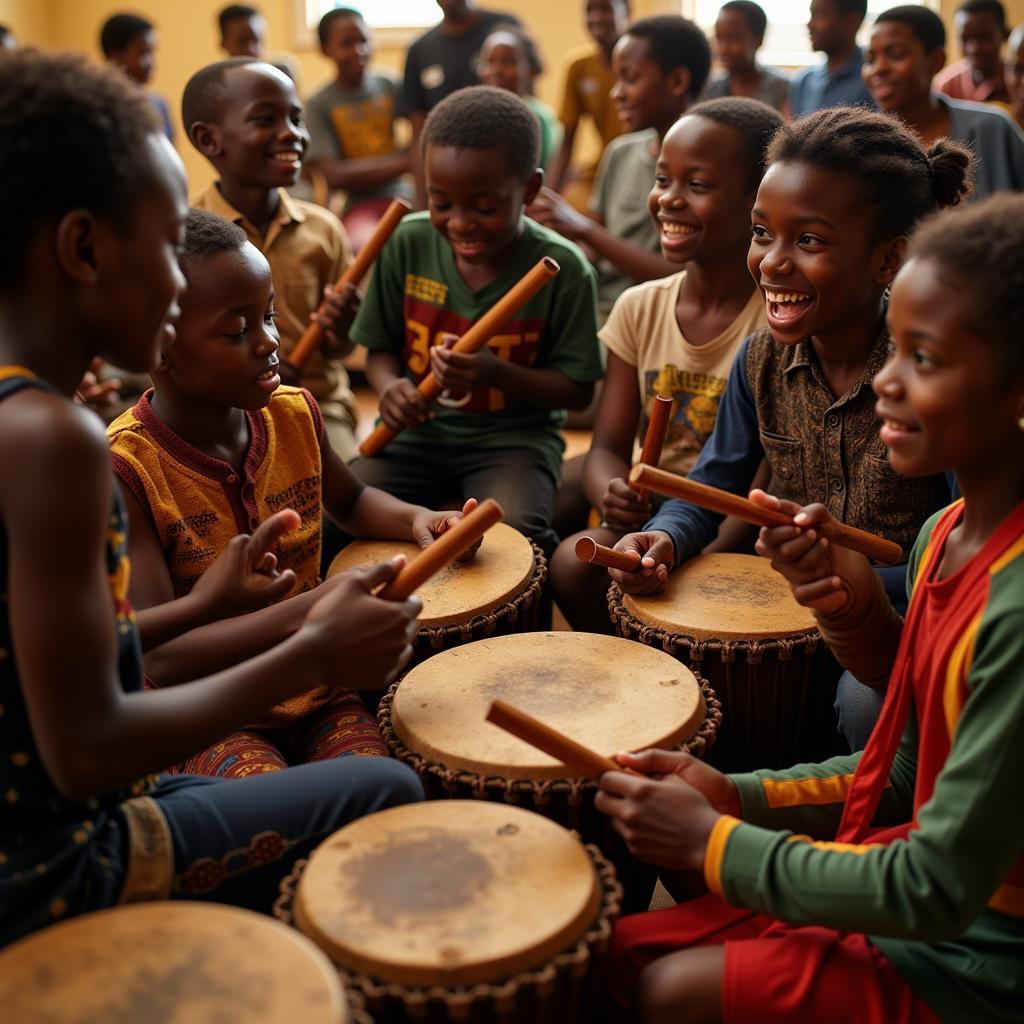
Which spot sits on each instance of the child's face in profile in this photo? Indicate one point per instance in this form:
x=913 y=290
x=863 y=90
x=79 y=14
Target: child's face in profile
x=138 y=58
x=141 y=276
x=812 y=250
x=475 y=203
x=348 y=45
x=225 y=353
x=701 y=199
x=942 y=398
x=642 y=93
x=245 y=37
x=262 y=135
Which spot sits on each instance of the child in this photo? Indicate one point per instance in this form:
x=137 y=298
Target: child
x=676 y=336
x=739 y=34
x=978 y=77
x=832 y=28
x=246 y=119
x=129 y=42
x=916 y=912
x=906 y=49
x=589 y=80
x=660 y=65
x=352 y=127
x=218 y=447
x=243 y=31
x=494 y=432
x=505 y=63
x=93 y=207
x=843 y=191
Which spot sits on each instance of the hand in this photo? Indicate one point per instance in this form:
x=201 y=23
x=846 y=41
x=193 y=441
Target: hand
x=657 y=557
x=665 y=822
x=822 y=576
x=551 y=210
x=402 y=406
x=428 y=526
x=245 y=576
x=95 y=393
x=464 y=371
x=362 y=641
x=622 y=508
x=340 y=306
x=719 y=788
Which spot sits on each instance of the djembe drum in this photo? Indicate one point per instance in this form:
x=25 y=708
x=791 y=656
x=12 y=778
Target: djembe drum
x=497 y=593
x=733 y=620
x=172 y=962
x=459 y=911
x=606 y=693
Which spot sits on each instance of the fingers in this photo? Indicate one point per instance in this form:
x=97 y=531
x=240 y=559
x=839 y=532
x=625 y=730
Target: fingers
x=372 y=577
x=402 y=405
x=655 y=762
x=266 y=536
x=657 y=558
x=279 y=586
x=765 y=500
x=469 y=506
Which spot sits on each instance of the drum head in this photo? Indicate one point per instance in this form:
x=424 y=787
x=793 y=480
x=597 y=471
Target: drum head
x=501 y=570
x=173 y=962
x=448 y=893
x=607 y=693
x=724 y=597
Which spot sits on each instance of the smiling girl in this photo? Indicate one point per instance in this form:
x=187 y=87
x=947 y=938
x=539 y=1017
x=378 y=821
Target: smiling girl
x=829 y=227
x=677 y=336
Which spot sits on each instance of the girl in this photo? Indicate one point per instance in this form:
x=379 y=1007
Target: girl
x=676 y=336
x=929 y=857
x=94 y=207
x=843 y=191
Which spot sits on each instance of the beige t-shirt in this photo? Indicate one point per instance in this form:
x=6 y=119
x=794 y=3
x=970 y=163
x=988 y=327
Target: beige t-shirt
x=642 y=330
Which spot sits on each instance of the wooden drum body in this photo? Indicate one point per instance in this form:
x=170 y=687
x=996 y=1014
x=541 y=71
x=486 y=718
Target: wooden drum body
x=459 y=911
x=732 y=619
x=498 y=592
x=606 y=693
x=172 y=962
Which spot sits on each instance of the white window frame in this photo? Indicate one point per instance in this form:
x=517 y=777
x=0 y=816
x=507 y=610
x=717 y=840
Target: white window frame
x=391 y=25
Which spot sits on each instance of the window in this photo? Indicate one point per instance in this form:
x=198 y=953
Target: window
x=785 y=43
x=380 y=13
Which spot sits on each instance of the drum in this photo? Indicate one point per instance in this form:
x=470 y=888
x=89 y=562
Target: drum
x=733 y=619
x=173 y=962
x=498 y=592
x=459 y=911
x=606 y=693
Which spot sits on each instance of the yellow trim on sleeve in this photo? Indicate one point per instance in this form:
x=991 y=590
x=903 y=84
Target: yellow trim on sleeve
x=856 y=848
x=1008 y=899
x=1014 y=551
x=803 y=792
x=715 y=852
x=16 y=371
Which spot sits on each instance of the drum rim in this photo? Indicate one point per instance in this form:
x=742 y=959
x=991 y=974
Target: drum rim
x=698 y=744
x=592 y=943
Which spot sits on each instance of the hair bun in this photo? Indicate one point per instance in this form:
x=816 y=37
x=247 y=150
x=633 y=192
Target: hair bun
x=950 y=165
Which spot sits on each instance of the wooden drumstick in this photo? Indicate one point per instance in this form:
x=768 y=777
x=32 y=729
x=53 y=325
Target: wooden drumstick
x=530 y=730
x=444 y=550
x=588 y=550
x=353 y=274
x=885 y=551
x=654 y=439
x=474 y=339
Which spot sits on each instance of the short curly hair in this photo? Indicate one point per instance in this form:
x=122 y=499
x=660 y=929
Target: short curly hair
x=204 y=91
x=71 y=135
x=753 y=14
x=898 y=180
x=980 y=251
x=993 y=7
x=206 y=234
x=753 y=121
x=925 y=25
x=675 y=42
x=483 y=117
x=120 y=29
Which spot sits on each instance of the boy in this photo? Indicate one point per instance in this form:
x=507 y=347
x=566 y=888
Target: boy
x=352 y=127
x=833 y=28
x=978 y=77
x=589 y=80
x=739 y=34
x=661 y=65
x=243 y=33
x=218 y=447
x=129 y=42
x=246 y=119
x=494 y=432
x=94 y=206
x=907 y=47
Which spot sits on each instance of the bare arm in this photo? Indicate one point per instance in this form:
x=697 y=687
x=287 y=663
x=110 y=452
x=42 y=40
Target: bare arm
x=563 y=157
x=363 y=173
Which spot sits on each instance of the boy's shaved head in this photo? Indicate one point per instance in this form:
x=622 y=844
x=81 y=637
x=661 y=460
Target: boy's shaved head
x=203 y=98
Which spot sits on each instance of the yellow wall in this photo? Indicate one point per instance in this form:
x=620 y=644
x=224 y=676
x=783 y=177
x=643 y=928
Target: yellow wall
x=188 y=39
